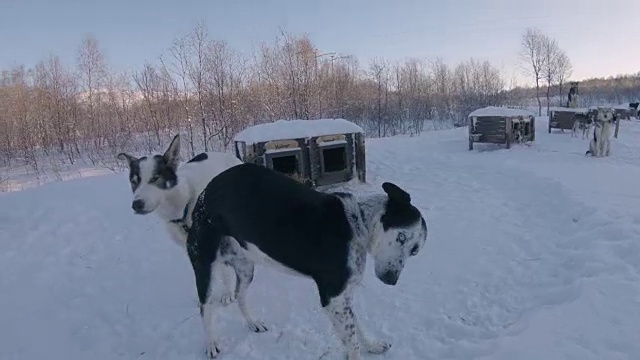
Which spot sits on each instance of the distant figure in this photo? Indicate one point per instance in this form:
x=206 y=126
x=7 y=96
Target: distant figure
x=633 y=108
x=572 y=100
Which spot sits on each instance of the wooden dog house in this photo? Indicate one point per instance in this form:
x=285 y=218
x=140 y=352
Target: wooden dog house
x=623 y=112
x=501 y=125
x=316 y=152
x=563 y=118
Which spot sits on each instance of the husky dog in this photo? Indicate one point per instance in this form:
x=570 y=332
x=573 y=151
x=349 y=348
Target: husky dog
x=251 y=214
x=582 y=124
x=170 y=191
x=601 y=142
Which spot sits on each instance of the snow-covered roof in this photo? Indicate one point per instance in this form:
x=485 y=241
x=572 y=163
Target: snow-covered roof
x=567 y=109
x=295 y=129
x=621 y=107
x=501 y=112
x=596 y=107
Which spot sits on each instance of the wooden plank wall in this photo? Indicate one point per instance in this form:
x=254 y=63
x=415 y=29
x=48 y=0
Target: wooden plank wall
x=492 y=128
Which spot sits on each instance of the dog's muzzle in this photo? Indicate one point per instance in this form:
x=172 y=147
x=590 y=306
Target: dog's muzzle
x=138 y=207
x=389 y=277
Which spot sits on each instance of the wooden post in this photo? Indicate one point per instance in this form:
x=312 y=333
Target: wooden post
x=533 y=128
x=361 y=167
x=471 y=137
x=615 y=134
x=509 y=132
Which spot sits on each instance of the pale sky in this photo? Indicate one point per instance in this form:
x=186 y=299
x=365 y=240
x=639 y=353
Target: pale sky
x=602 y=38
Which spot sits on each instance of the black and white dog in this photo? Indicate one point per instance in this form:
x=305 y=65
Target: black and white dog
x=582 y=124
x=250 y=214
x=600 y=143
x=170 y=191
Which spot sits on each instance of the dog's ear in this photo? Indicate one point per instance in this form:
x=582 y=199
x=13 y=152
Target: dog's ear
x=124 y=156
x=172 y=155
x=396 y=194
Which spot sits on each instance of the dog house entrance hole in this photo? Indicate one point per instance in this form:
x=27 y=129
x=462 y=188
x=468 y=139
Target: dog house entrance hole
x=334 y=159
x=287 y=164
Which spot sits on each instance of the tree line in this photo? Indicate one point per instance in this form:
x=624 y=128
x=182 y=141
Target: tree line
x=202 y=87
x=205 y=89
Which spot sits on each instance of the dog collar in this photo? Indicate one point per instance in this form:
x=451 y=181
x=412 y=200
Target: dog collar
x=182 y=220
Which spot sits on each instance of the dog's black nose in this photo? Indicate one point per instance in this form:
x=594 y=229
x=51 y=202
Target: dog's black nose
x=138 y=205
x=389 y=277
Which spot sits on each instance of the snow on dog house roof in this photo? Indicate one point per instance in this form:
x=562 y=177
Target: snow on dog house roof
x=500 y=112
x=621 y=107
x=573 y=110
x=295 y=129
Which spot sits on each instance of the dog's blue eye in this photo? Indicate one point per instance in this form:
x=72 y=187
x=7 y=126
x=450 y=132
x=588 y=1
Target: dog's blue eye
x=401 y=238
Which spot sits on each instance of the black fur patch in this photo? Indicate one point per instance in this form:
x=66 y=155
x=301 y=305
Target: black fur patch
x=134 y=173
x=199 y=157
x=303 y=228
x=165 y=174
x=396 y=193
x=399 y=214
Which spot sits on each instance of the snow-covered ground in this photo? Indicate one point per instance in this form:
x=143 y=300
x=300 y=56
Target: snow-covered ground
x=533 y=253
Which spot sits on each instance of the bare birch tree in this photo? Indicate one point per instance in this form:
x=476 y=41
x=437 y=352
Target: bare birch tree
x=564 y=70
x=92 y=70
x=550 y=69
x=178 y=65
x=532 y=54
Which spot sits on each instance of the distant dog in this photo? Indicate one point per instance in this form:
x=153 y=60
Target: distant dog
x=600 y=144
x=634 y=106
x=250 y=214
x=159 y=186
x=582 y=124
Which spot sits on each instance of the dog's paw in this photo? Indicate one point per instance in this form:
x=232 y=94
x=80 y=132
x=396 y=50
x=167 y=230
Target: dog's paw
x=257 y=326
x=227 y=299
x=212 y=350
x=353 y=355
x=377 y=347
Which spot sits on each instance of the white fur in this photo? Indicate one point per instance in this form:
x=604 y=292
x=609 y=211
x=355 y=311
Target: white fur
x=169 y=204
x=382 y=246
x=192 y=179
x=579 y=126
x=600 y=144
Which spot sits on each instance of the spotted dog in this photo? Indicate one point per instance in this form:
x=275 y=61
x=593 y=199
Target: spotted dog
x=250 y=214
